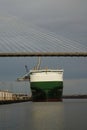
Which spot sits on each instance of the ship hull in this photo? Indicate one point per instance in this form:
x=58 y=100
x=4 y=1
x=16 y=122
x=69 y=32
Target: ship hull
x=46 y=87
x=47 y=91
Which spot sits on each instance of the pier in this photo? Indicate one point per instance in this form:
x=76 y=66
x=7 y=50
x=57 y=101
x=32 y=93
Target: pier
x=7 y=97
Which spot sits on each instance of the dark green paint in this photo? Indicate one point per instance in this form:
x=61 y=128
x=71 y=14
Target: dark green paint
x=47 y=91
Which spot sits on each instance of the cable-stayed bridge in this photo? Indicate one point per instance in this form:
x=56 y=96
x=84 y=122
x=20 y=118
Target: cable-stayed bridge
x=21 y=39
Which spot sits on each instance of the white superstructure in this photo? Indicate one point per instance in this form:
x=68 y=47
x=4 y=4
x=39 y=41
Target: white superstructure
x=46 y=75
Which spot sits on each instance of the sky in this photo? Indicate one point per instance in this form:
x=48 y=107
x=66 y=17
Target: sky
x=67 y=18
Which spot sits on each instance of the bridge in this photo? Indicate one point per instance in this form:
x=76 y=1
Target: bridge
x=23 y=40
x=52 y=54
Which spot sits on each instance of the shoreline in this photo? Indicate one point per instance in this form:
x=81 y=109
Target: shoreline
x=74 y=96
x=13 y=101
x=30 y=99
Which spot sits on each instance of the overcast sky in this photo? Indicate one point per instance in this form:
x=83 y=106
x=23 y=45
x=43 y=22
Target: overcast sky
x=67 y=18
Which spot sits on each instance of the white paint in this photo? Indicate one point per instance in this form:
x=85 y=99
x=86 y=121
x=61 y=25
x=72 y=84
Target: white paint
x=5 y=95
x=46 y=75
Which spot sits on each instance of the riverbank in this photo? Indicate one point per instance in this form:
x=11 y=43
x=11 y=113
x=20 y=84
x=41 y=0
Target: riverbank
x=30 y=99
x=74 y=97
x=14 y=101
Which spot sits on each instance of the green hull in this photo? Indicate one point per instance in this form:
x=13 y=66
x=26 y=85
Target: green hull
x=47 y=91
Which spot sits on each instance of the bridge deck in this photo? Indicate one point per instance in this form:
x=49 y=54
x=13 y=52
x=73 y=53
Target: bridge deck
x=30 y=54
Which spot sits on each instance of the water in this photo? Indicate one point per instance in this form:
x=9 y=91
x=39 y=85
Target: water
x=66 y=115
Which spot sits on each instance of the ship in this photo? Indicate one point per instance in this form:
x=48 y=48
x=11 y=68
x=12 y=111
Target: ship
x=46 y=84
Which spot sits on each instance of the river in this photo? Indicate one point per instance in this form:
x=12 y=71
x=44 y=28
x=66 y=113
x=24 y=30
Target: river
x=66 y=115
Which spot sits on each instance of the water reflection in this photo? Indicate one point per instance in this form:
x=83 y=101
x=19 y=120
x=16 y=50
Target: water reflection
x=48 y=116
x=66 y=115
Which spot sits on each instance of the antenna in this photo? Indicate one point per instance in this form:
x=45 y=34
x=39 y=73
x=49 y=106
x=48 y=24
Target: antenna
x=26 y=68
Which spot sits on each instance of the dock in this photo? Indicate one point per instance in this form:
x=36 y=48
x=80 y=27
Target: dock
x=7 y=97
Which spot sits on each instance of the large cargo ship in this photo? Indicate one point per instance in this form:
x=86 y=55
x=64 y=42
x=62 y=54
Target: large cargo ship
x=46 y=85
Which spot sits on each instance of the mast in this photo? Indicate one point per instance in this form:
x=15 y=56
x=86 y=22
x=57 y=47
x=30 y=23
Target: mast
x=39 y=62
